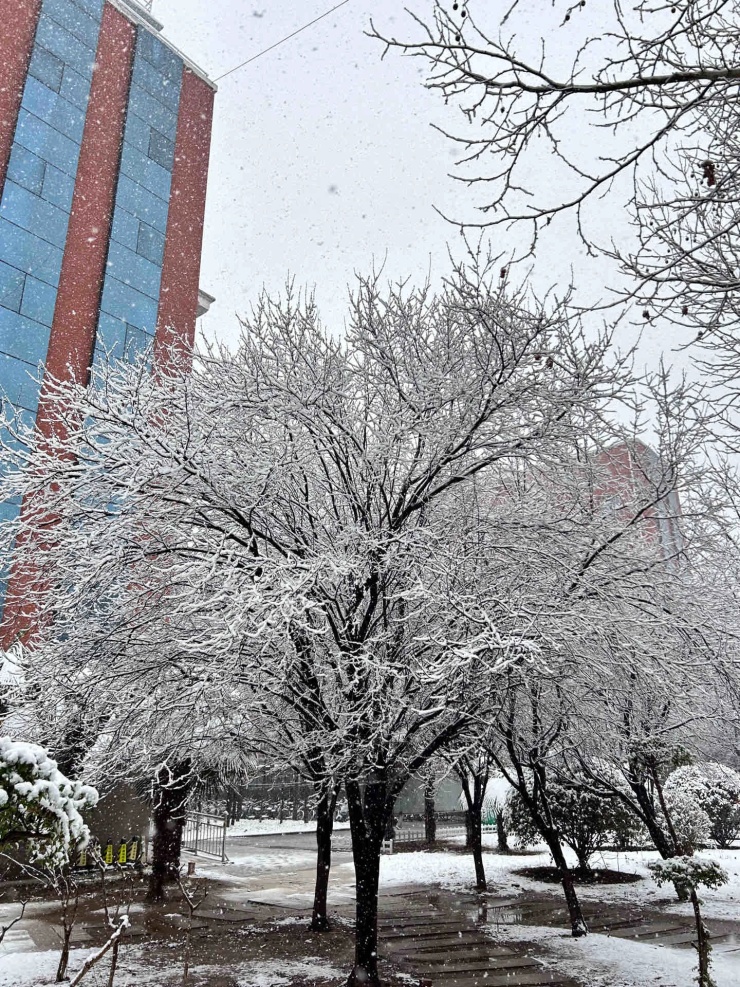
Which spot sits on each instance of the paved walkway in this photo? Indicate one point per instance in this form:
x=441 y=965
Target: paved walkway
x=450 y=939
x=451 y=950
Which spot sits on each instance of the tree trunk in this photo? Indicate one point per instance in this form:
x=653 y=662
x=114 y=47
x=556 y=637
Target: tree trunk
x=649 y=817
x=577 y=921
x=583 y=863
x=503 y=843
x=296 y=797
x=476 y=842
x=474 y=821
x=703 y=943
x=64 y=958
x=170 y=795
x=430 y=814
x=368 y=819
x=324 y=827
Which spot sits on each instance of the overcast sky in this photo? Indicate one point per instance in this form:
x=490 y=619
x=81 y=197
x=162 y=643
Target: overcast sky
x=324 y=159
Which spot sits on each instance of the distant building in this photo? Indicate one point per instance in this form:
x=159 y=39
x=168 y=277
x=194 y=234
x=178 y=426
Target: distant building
x=634 y=469
x=105 y=132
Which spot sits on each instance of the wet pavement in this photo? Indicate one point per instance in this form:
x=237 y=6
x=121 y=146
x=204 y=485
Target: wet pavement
x=441 y=937
x=460 y=940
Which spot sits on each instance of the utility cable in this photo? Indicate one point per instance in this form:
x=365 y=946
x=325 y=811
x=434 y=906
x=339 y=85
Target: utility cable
x=281 y=41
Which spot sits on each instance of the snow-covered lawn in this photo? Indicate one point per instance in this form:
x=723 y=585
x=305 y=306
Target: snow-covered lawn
x=605 y=961
x=455 y=871
x=271 y=827
x=39 y=969
x=29 y=969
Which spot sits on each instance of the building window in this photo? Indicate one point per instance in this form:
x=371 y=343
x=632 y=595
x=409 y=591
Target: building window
x=161 y=150
x=47 y=68
x=11 y=287
x=137 y=342
x=150 y=244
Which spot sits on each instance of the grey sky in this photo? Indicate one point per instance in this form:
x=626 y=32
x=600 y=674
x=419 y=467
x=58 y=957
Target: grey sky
x=324 y=158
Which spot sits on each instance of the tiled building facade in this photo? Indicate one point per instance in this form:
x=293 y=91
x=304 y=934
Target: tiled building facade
x=104 y=140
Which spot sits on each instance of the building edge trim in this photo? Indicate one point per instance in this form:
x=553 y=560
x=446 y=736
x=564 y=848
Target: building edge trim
x=131 y=14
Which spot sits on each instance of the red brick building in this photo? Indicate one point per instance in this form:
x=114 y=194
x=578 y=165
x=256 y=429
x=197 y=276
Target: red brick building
x=105 y=132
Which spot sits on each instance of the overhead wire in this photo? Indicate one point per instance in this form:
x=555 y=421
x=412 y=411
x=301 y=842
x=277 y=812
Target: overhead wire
x=281 y=41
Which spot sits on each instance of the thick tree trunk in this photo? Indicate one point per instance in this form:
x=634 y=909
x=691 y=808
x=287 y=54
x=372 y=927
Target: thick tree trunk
x=649 y=816
x=583 y=863
x=577 y=921
x=170 y=795
x=368 y=819
x=476 y=832
x=324 y=828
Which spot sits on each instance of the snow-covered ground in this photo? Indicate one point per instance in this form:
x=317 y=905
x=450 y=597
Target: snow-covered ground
x=598 y=960
x=605 y=961
x=39 y=969
x=455 y=871
x=33 y=969
x=271 y=827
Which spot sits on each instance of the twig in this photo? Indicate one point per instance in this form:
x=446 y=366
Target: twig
x=7 y=928
x=96 y=957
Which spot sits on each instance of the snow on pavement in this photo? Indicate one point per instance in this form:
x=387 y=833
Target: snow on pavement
x=30 y=969
x=605 y=961
x=271 y=827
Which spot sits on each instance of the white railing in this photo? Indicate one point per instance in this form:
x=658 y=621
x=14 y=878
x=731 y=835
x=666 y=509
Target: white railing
x=205 y=834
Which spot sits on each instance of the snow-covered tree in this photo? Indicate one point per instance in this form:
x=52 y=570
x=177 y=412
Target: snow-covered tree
x=281 y=530
x=640 y=79
x=593 y=549
x=690 y=874
x=39 y=806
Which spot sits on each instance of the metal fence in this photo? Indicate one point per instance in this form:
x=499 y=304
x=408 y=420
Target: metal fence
x=205 y=834
x=413 y=831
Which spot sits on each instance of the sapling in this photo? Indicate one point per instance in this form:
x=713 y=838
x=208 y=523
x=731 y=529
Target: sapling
x=687 y=874
x=192 y=906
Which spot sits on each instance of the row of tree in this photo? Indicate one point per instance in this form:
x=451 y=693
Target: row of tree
x=440 y=534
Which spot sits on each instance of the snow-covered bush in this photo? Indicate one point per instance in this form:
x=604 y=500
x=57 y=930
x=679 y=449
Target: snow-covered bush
x=688 y=873
x=715 y=789
x=628 y=829
x=691 y=824
x=585 y=821
x=39 y=806
x=518 y=820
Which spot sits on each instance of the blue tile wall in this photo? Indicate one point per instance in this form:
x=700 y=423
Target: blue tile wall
x=128 y=310
x=37 y=195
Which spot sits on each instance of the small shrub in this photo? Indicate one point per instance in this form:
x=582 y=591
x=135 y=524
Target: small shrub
x=715 y=789
x=39 y=806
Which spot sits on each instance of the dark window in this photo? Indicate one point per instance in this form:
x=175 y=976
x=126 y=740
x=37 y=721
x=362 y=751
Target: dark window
x=150 y=244
x=47 y=68
x=161 y=150
x=137 y=342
